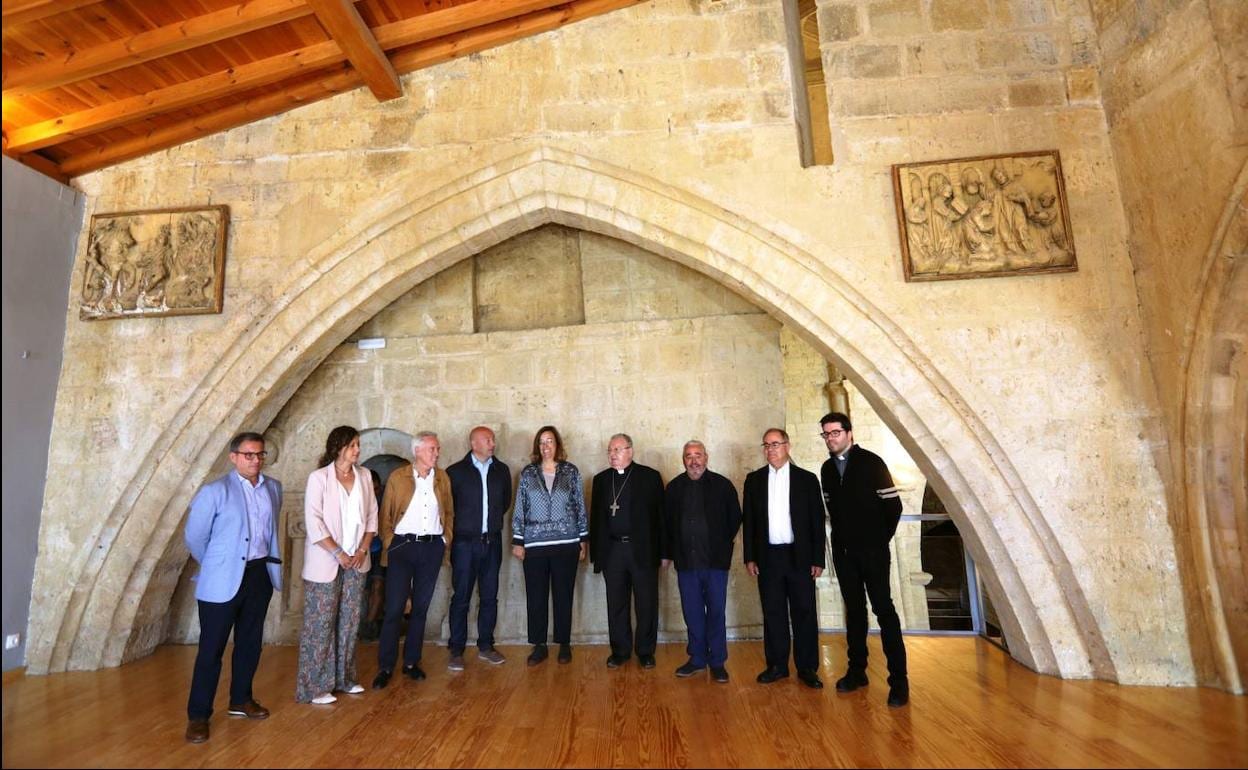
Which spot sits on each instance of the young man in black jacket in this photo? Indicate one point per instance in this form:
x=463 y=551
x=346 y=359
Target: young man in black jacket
x=864 y=506
x=701 y=519
x=481 y=491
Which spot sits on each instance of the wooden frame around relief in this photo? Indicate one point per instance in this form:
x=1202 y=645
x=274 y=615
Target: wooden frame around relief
x=983 y=217
x=157 y=262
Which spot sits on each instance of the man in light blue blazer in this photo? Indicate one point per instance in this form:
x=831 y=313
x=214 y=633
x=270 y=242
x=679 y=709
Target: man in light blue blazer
x=232 y=532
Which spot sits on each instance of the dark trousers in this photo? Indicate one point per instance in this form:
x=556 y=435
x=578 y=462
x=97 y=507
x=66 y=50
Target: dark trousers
x=703 y=596
x=245 y=615
x=550 y=573
x=867 y=568
x=787 y=591
x=411 y=572
x=474 y=561
x=631 y=586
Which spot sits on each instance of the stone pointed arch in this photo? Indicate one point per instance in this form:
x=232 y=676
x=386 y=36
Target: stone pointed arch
x=412 y=234
x=1213 y=457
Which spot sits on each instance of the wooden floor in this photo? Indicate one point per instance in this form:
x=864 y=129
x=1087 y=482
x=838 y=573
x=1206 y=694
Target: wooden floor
x=971 y=706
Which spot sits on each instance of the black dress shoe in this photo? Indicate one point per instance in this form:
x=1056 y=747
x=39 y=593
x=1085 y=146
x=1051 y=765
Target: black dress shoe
x=382 y=679
x=772 y=674
x=853 y=679
x=898 y=695
x=646 y=661
x=615 y=661
x=810 y=678
x=565 y=653
x=538 y=655
x=688 y=669
x=719 y=674
x=413 y=672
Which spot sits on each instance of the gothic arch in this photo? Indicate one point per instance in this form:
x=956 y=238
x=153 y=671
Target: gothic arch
x=412 y=233
x=1214 y=459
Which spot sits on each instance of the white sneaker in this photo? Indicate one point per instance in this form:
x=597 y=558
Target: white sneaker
x=324 y=698
x=354 y=689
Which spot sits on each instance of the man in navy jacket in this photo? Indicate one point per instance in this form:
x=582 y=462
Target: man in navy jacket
x=481 y=491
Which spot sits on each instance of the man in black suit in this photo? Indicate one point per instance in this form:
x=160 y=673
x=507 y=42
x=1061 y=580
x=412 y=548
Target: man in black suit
x=864 y=506
x=625 y=531
x=784 y=548
x=481 y=492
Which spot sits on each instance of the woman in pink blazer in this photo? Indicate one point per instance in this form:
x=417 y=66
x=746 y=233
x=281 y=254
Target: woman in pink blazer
x=340 y=512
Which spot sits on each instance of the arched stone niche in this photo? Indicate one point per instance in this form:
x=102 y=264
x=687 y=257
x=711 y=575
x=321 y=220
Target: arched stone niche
x=412 y=233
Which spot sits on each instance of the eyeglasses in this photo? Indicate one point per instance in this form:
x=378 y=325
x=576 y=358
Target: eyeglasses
x=619 y=450
x=773 y=444
x=832 y=433
x=253 y=455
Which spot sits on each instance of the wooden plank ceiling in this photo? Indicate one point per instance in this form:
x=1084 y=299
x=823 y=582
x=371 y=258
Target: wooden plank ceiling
x=87 y=84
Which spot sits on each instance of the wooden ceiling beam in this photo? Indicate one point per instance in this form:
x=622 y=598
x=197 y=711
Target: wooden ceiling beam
x=25 y=11
x=407 y=60
x=436 y=25
x=496 y=34
x=41 y=164
x=345 y=27
x=245 y=77
x=74 y=65
x=449 y=21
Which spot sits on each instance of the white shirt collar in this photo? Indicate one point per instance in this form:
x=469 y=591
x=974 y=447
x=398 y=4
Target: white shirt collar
x=259 y=479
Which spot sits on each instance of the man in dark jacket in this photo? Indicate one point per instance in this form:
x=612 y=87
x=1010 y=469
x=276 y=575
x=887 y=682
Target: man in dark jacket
x=784 y=543
x=702 y=517
x=625 y=531
x=481 y=491
x=864 y=506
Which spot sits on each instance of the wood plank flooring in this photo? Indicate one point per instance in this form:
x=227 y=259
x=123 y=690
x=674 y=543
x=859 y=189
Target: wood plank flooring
x=972 y=706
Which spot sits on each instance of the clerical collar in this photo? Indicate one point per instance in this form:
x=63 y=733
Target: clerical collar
x=841 y=457
x=623 y=470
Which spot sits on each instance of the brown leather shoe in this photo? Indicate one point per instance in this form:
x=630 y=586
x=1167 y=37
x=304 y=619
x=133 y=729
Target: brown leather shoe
x=250 y=709
x=197 y=730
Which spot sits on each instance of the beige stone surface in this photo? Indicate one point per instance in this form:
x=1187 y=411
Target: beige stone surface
x=1025 y=401
x=651 y=378
x=1173 y=88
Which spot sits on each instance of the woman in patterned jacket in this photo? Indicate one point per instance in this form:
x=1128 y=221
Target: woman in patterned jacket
x=550 y=534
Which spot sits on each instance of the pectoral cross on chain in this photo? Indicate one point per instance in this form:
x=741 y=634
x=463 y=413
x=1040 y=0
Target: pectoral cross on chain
x=614 y=507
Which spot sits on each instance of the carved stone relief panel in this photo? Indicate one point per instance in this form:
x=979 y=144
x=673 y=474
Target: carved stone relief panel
x=155 y=263
x=981 y=217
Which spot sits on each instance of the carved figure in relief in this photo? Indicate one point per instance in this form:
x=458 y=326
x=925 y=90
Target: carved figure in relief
x=153 y=265
x=977 y=225
x=110 y=270
x=917 y=214
x=1048 y=217
x=192 y=260
x=1011 y=207
x=948 y=211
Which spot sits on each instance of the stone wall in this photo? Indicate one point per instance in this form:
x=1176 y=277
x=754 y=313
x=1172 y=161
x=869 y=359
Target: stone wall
x=1023 y=400
x=1175 y=85
x=664 y=354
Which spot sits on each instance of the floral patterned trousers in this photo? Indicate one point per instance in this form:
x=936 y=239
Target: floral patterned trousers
x=331 y=620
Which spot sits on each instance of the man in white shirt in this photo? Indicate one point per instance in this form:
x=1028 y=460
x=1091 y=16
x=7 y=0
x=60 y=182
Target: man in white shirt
x=784 y=541
x=416 y=534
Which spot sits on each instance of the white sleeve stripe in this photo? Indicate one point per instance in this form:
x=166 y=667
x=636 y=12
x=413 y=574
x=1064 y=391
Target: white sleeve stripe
x=887 y=489
x=891 y=494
